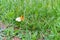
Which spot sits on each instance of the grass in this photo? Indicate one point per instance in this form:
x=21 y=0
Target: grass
x=42 y=19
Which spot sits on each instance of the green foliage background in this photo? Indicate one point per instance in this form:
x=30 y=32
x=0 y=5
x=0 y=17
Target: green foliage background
x=41 y=17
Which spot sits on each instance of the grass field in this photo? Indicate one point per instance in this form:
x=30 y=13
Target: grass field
x=41 y=19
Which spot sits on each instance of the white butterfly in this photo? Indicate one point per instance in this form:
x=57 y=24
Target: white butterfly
x=19 y=19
